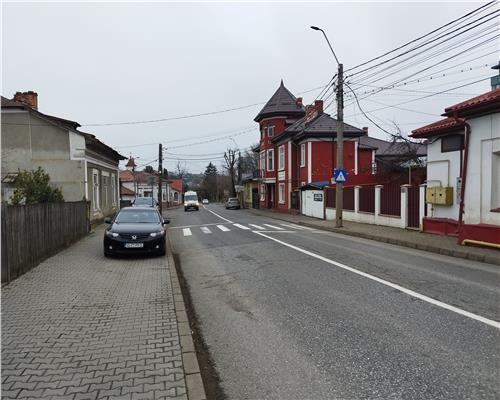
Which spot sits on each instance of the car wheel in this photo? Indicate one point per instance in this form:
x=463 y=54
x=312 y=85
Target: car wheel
x=107 y=254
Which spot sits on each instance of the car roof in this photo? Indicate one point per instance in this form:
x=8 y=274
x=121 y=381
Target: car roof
x=137 y=208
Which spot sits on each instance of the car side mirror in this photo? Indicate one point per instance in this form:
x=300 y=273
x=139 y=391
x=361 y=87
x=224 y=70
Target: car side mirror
x=166 y=221
x=107 y=220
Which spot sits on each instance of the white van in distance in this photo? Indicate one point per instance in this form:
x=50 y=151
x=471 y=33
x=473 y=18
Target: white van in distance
x=191 y=201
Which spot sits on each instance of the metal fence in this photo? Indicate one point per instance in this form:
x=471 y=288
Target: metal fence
x=390 y=199
x=34 y=232
x=367 y=199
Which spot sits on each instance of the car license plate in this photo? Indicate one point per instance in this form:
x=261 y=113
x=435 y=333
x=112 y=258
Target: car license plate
x=134 y=245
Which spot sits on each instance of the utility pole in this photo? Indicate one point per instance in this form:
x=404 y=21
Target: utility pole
x=160 y=170
x=340 y=132
x=340 y=145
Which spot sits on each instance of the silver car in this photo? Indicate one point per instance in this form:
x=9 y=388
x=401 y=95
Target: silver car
x=233 y=202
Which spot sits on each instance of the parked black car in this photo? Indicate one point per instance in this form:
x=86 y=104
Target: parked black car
x=135 y=230
x=144 y=202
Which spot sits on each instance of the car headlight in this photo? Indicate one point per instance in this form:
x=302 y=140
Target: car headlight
x=155 y=234
x=112 y=234
x=197 y=203
x=185 y=203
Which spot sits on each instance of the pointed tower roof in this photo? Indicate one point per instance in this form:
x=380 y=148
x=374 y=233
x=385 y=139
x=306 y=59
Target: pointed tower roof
x=130 y=162
x=282 y=102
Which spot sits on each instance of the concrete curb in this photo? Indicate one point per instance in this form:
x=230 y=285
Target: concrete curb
x=432 y=249
x=192 y=375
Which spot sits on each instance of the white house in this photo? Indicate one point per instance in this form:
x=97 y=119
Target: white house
x=77 y=162
x=463 y=170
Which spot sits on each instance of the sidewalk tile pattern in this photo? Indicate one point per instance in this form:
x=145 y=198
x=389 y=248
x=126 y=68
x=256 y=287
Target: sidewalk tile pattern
x=80 y=326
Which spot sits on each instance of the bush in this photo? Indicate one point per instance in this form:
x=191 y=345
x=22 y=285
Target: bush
x=34 y=187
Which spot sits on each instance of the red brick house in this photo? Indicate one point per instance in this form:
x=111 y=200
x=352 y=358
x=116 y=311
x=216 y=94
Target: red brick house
x=298 y=147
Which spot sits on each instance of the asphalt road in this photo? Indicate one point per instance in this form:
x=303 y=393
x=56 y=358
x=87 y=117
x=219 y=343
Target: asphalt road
x=296 y=313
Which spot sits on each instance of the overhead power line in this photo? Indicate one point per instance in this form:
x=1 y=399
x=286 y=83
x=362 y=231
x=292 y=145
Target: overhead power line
x=487 y=5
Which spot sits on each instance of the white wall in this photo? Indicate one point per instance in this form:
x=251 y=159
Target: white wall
x=483 y=178
x=443 y=169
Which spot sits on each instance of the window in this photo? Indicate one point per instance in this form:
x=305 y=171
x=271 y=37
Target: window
x=113 y=189
x=262 y=192
x=263 y=133
x=303 y=155
x=270 y=131
x=281 y=158
x=270 y=160
x=452 y=143
x=262 y=165
x=281 y=193
x=95 y=189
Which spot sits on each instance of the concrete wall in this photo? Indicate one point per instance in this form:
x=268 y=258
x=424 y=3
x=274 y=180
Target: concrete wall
x=29 y=142
x=443 y=169
x=483 y=177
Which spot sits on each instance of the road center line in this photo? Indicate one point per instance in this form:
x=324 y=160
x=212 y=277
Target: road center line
x=409 y=292
x=217 y=215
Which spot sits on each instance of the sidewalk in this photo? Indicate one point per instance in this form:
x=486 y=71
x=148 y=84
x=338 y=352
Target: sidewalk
x=403 y=237
x=81 y=326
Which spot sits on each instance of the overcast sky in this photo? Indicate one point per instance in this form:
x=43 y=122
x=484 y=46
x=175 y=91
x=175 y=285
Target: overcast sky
x=120 y=62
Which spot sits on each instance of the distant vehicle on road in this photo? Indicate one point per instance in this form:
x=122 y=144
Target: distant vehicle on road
x=191 y=201
x=233 y=203
x=135 y=230
x=144 y=202
x=205 y=201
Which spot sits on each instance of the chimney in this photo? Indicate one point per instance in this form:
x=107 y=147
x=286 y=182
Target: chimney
x=29 y=98
x=318 y=105
x=298 y=102
x=365 y=130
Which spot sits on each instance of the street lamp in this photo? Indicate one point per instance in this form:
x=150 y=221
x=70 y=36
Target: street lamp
x=340 y=132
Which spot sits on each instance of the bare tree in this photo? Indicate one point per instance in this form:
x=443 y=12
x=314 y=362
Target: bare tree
x=180 y=169
x=230 y=160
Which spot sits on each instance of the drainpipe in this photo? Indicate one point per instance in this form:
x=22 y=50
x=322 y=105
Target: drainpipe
x=464 y=175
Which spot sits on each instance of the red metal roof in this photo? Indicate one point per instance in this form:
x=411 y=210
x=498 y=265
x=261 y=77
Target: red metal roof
x=126 y=191
x=437 y=128
x=476 y=104
x=130 y=162
x=176 y=184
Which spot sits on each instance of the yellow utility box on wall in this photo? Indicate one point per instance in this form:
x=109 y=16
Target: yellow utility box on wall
x=439 y=195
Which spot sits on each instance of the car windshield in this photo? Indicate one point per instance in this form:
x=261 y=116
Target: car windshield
x=143 y=200
x=137 y=217
x=191 y=197
x=233 y=199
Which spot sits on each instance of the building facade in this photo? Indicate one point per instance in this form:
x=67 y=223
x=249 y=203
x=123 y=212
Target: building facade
x=463 y=171
x=77 y=162
x=298 y=147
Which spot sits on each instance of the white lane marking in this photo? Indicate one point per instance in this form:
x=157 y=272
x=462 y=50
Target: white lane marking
x=409 y=292
x=256 y=226
x=274 y=231
x=220 y=216
x=293 y=226
x=186 y=232
x=205 y=229
x=223 y=228
x=274 y=227
x=193 y=226
x=241 y=226
x=299 y=227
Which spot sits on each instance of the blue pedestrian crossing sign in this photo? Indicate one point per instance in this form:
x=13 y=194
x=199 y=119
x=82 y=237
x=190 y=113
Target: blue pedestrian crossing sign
x=340 y=175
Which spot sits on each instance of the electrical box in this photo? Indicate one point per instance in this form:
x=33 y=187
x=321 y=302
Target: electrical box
x=439 y=195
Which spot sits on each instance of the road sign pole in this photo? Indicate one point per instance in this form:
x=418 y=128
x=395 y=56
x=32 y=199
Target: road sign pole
x=160 y=171
x=340 y=145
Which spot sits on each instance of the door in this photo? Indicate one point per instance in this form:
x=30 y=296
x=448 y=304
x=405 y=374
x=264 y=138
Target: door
x=312 y=205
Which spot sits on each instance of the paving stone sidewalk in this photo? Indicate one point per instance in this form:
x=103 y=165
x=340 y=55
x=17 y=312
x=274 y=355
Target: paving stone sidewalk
x=80 y=326
x=403 y=237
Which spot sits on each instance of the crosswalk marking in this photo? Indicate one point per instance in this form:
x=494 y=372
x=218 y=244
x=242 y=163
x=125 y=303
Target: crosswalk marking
x=223 y=228
x=205 y=229
x=274 y=227
x=299 y=227
x=293 y=226
x=186 y=232
x=256 y=226
x=241 y=226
